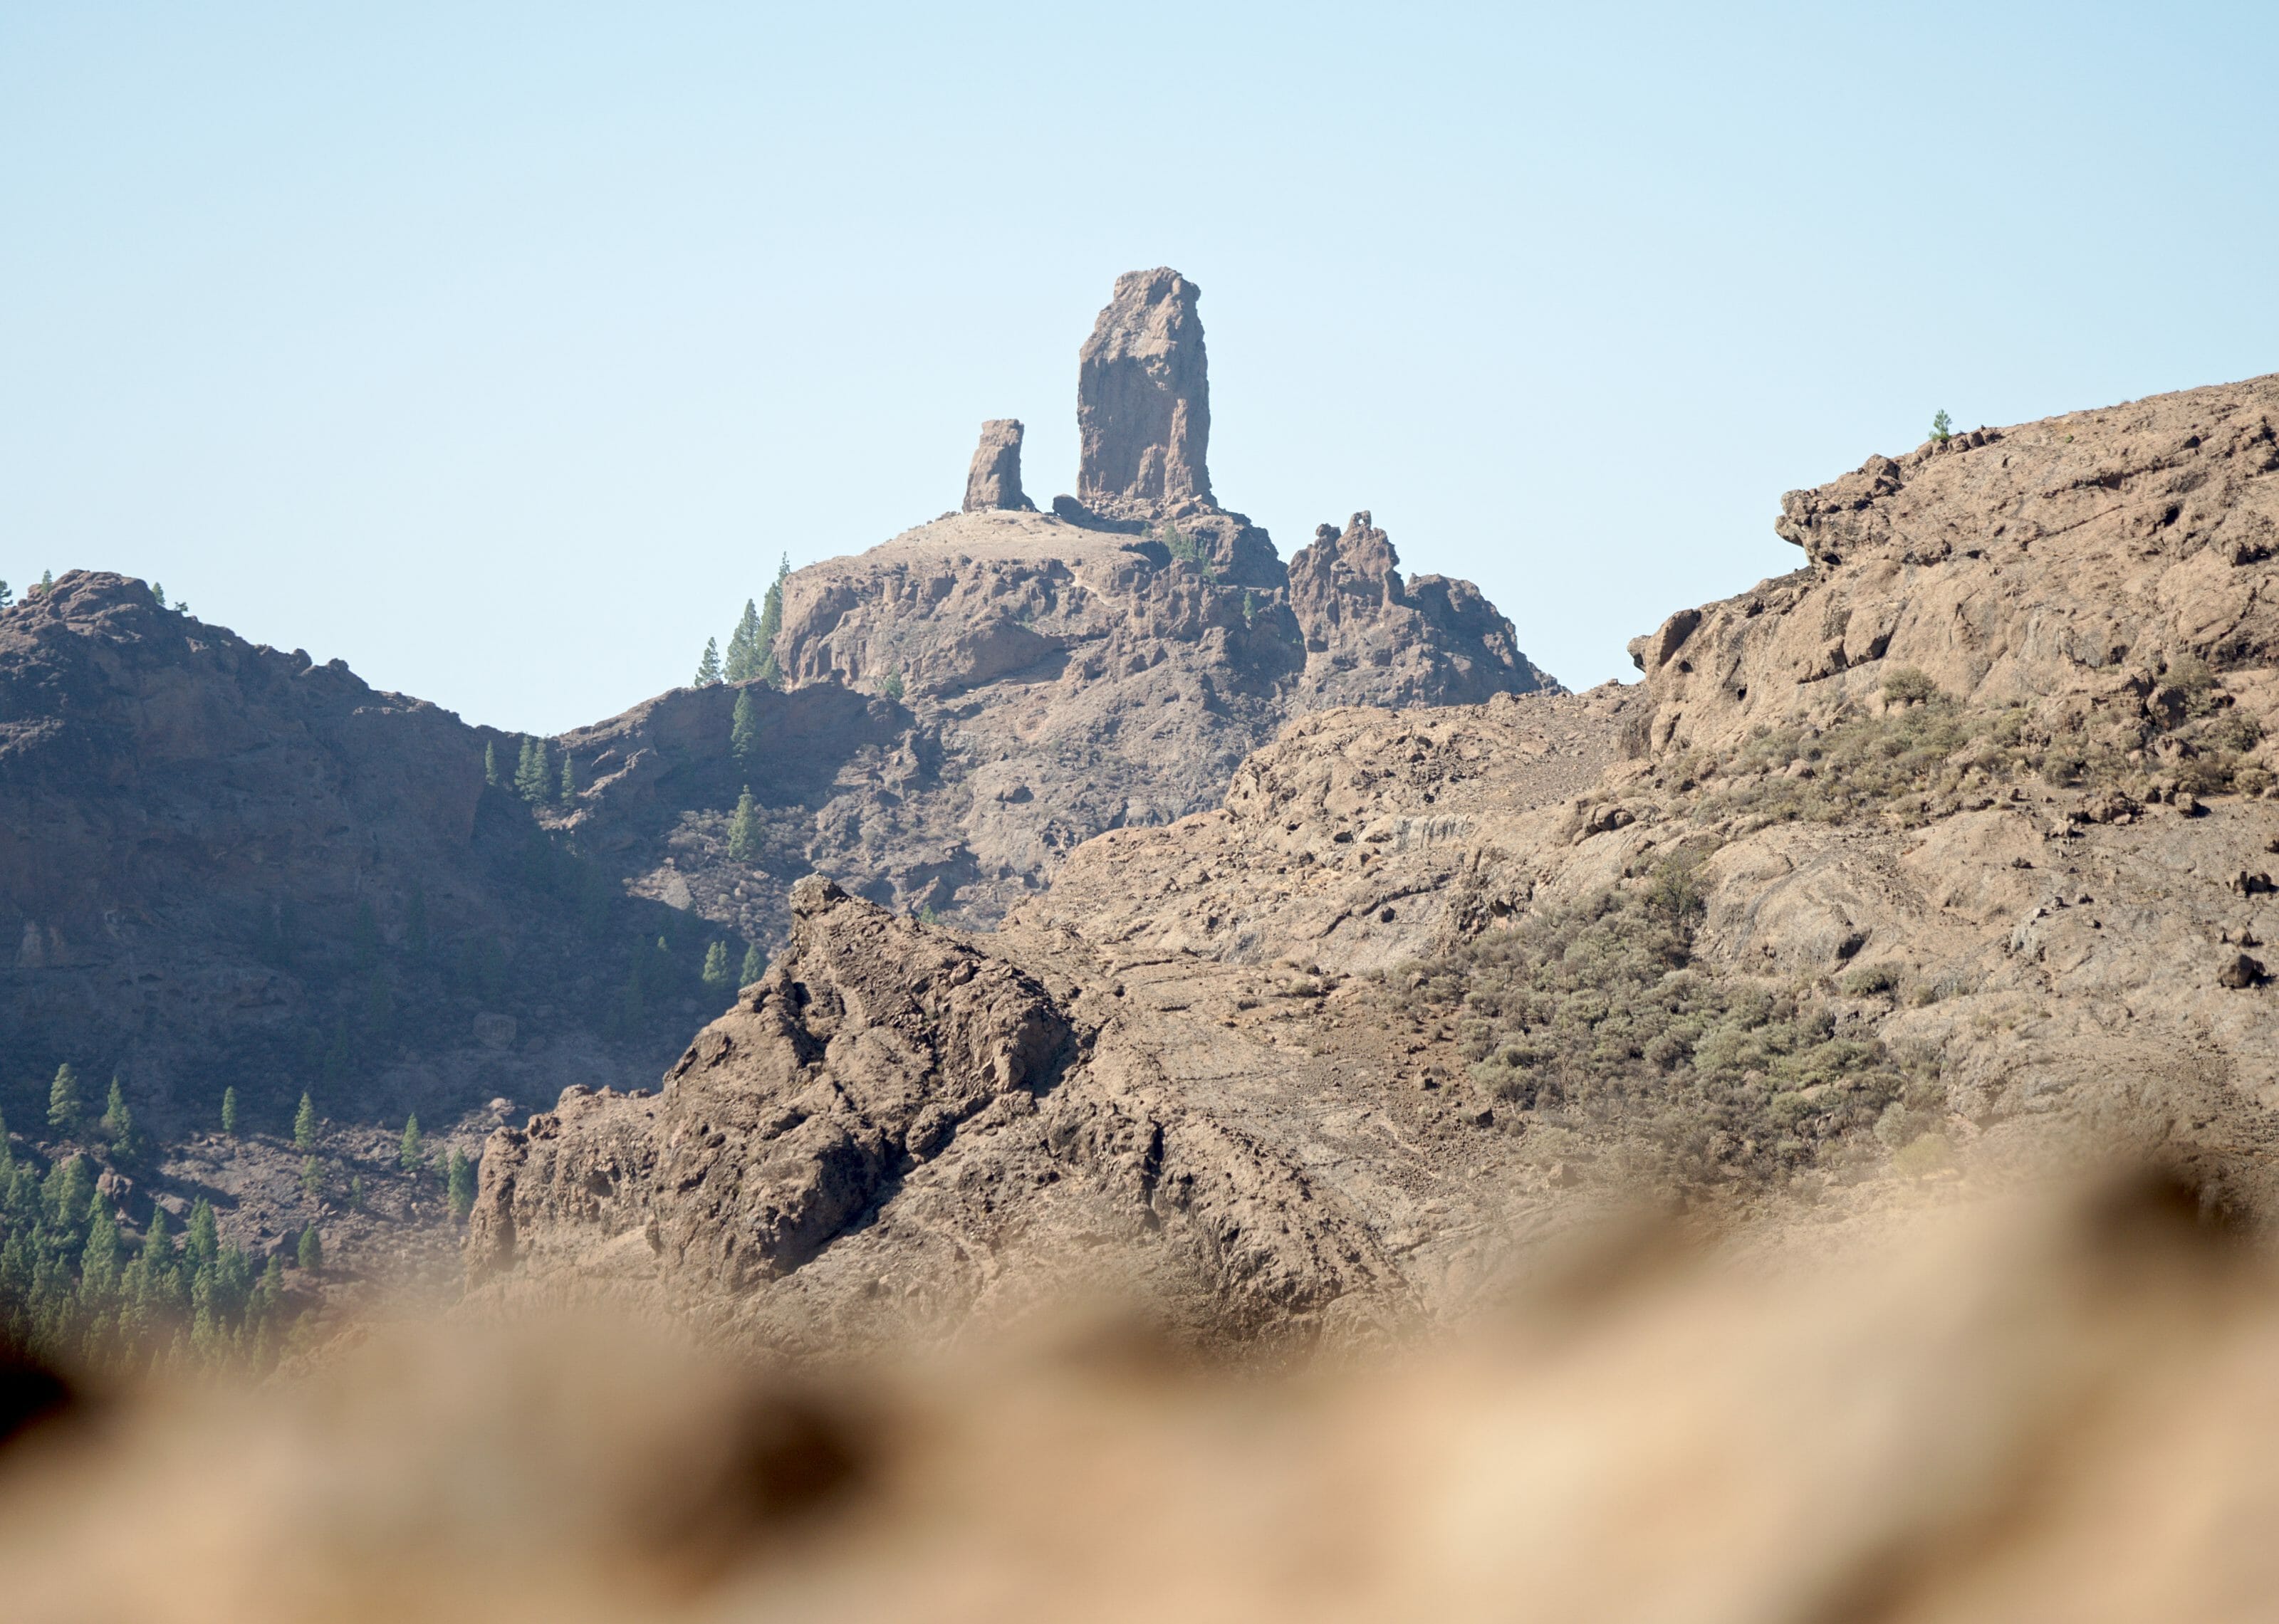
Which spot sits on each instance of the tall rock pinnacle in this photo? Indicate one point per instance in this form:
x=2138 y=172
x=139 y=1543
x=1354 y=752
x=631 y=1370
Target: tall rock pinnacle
x=1143 y=396
x=994 y=480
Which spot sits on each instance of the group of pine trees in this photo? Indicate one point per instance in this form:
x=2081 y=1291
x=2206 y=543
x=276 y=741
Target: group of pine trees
x=716 y=973
x=752 y=645
x=535 y=777
x=116 y=1127
x=458 y=1169
x=73 y=1285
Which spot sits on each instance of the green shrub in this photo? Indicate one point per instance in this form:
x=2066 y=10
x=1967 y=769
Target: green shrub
x=1596 y=1017
x=1869 y=980
x=1909 y=685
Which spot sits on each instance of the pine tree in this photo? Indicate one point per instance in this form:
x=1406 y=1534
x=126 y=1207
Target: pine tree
x=460 y=1186
x=743 y=732
x=716 y=966
x=771 y=623
x=98 y=1260
x=229 y=1110
x=708 y=667
x=66 y=1192
x=160 y=593
x=119 y=1123
x=744 y=829
x=754 y=966
x=409 y=1155
x=569 y=778
x=202 y=1241
x=311 y=1251
x=47 y=583
x=62 y=1099
x=157 y=1244
x=312 y=1178
x=532 y=779
x=304 y=1125
x=7 y=595
x=743 y=662
x=490 y=764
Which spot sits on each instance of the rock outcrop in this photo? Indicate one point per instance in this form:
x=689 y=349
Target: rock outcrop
x=1143 y=399
x=1034 y=680
x=2070 y=564
x=994 y=479
x=894 y=1130
x=1370 y=639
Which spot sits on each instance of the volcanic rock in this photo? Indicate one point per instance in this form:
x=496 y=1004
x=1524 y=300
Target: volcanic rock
x=226 y=865
x=1143 y=398
x=994 y=480
x=1370 y=639
x=892 y=1104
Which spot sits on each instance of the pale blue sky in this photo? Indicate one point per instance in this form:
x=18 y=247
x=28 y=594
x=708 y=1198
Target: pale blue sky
x=500 y=350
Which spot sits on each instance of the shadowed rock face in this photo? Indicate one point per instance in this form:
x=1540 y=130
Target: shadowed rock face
x=994 y=480
x=223 y=865
x=1143 y=398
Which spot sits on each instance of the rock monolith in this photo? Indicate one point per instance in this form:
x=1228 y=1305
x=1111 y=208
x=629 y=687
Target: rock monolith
x=994 y=480
x=1143 y=397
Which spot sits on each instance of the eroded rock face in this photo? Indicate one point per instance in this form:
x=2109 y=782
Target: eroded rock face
x=2080 y=555
x=1372 y=639
x=994 y=480
x=1143 y=398
x=891 y=1099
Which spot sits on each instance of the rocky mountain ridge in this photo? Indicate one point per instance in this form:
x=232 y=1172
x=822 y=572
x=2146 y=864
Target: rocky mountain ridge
x=1775 y=926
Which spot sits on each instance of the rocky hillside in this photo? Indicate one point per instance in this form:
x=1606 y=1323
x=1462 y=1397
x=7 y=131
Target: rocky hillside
x=1952 y=848
x=225 y=867
x=1036 y=678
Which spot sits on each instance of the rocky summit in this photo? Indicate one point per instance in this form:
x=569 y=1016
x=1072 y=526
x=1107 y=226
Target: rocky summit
x=1143 y=399
x=1028 y=680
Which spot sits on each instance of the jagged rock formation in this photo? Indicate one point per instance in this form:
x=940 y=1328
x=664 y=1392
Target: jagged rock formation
x=1143 y=399
x=994 y=480
x=1038 y=679
x=1372 y=639
x=895 y=1128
